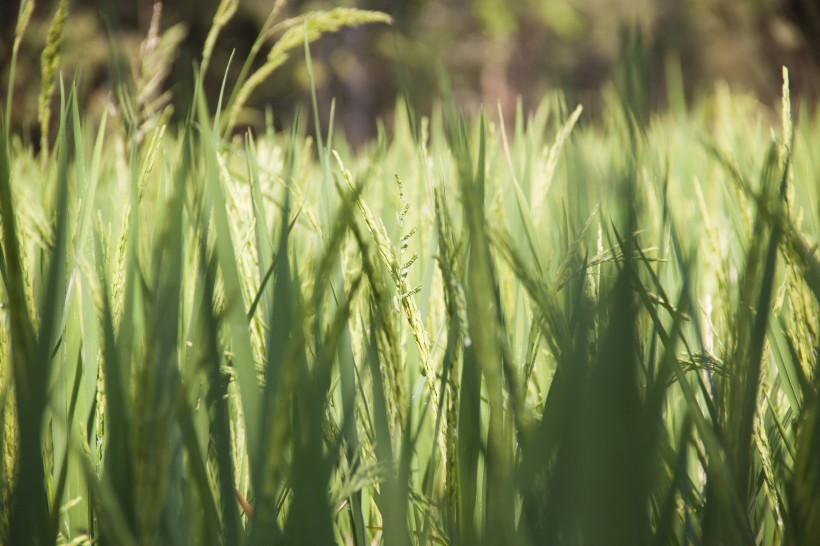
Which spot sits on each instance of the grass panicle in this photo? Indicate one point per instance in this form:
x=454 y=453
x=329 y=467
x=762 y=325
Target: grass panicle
x=49 y=65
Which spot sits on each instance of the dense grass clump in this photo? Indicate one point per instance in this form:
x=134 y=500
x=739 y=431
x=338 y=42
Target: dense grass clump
x=530 y=331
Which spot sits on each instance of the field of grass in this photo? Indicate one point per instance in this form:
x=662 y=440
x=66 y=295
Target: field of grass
x=543 y=330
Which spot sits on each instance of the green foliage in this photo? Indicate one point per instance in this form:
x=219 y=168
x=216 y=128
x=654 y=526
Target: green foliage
x=601 y=335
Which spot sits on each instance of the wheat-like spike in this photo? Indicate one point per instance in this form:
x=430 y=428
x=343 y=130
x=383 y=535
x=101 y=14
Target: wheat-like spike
x=388 y=339
x=118 y=271
x=764 y=451
x=409 y=293
x=49 y=61
x=408 y=264
x=403 y=203
x=407 y=303
x=152 y=105
x=150 y=158
x=786 y=110
x=375 y=227
x=404 y=208
x=788 y=133
x=147 y=82
x=408 y=235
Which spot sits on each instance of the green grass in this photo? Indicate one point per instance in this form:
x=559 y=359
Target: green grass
x=533 y=331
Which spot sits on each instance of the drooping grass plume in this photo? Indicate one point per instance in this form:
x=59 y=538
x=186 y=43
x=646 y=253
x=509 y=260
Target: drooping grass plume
x=311 y=25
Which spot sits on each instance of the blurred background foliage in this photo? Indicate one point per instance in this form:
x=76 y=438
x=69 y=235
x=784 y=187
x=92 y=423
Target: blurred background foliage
x=492 y=51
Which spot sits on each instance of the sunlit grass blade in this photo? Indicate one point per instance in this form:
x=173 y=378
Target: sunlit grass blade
x=62 y=479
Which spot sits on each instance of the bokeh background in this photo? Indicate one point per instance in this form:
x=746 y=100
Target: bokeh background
x=493 y=51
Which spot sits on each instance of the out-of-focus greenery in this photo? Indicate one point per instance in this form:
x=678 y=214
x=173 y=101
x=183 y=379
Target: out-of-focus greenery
x=493 y=50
